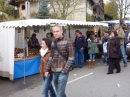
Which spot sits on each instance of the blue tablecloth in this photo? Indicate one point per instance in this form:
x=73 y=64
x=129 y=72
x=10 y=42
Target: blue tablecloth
x=31 y=67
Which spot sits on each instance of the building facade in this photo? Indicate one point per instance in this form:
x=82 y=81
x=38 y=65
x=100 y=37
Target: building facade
x=78 y=12
x=86 y=10
x=21 y=5
x=98 y=9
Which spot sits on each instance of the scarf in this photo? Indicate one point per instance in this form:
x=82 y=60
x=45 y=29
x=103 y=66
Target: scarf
x=43 y=52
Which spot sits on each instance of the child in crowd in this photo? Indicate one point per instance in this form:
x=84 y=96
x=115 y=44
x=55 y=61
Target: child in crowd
x=105 y=51
x=92 y=49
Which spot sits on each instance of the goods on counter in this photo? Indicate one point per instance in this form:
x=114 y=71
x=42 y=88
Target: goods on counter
x=32 y=52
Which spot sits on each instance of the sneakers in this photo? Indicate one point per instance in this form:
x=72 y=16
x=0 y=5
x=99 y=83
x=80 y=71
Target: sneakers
x=125 y=65
x=118 y=71
x=75 y=66
x=80 y=66
x=105 y=64
x=110 y=73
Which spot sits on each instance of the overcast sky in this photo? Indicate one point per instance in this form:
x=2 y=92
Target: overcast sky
x=105 y=1
x=128 y=15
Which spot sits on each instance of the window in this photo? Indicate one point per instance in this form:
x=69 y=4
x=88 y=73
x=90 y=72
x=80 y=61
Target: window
x=71 y=2
x=23 y=7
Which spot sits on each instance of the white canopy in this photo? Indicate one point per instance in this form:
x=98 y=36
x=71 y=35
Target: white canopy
x=115 y=22
x=22 y=23
x=7 y=39
x=43 y=22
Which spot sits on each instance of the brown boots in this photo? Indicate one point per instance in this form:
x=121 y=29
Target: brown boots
x=91 y=63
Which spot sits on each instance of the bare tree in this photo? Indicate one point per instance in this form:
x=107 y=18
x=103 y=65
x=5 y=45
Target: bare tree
x=126 y=8
x=6 y=10
x=111 y=8
x=61 y=9
x=123 y=8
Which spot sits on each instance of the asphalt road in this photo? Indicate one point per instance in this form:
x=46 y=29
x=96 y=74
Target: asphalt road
x=83 y=82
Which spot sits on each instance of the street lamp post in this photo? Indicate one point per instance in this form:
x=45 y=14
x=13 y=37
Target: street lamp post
x=25 y=41
x=27 y=7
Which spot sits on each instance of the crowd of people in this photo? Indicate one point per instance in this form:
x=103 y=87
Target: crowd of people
x=59 y=54
x=114 y=48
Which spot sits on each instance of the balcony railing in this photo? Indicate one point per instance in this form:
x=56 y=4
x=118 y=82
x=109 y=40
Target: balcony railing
x=99 y=18
x=98 y=5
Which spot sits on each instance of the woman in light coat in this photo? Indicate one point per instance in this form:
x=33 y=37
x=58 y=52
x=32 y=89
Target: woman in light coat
x=92 y=49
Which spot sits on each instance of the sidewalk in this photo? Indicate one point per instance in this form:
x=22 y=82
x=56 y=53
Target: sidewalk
x=83 y=82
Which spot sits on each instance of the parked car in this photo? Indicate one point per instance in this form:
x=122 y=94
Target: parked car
x=128 y=51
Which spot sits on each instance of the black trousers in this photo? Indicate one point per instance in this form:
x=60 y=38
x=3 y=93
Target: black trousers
x=113 y=63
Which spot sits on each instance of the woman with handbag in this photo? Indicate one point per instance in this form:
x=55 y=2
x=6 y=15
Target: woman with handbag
x=113 y=49
x=45 y=54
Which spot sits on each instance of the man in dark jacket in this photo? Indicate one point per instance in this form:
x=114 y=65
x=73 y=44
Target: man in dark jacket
x=33 y=41
x=57 y=63
x=80 y=44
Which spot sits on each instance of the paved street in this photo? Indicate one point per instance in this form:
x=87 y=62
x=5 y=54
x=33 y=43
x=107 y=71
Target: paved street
x=83 y=82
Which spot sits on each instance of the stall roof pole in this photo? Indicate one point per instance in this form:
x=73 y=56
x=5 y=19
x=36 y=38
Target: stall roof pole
x=27 y=6
x=69 y=30
x=24 y=55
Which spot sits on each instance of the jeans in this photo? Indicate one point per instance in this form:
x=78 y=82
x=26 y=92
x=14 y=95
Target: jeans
x=85 y=56
x=123 y=55
x=106 y=58
x=79 y=57
x=91 y=56
x=48 y=88
x=60 y=81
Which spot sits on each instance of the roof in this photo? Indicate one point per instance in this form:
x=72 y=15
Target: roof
x=44 y=22
x=12 y=2
x=17 y=2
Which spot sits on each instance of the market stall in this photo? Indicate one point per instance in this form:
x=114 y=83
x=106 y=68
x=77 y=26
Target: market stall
x=113 y=22
x=12 y=40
